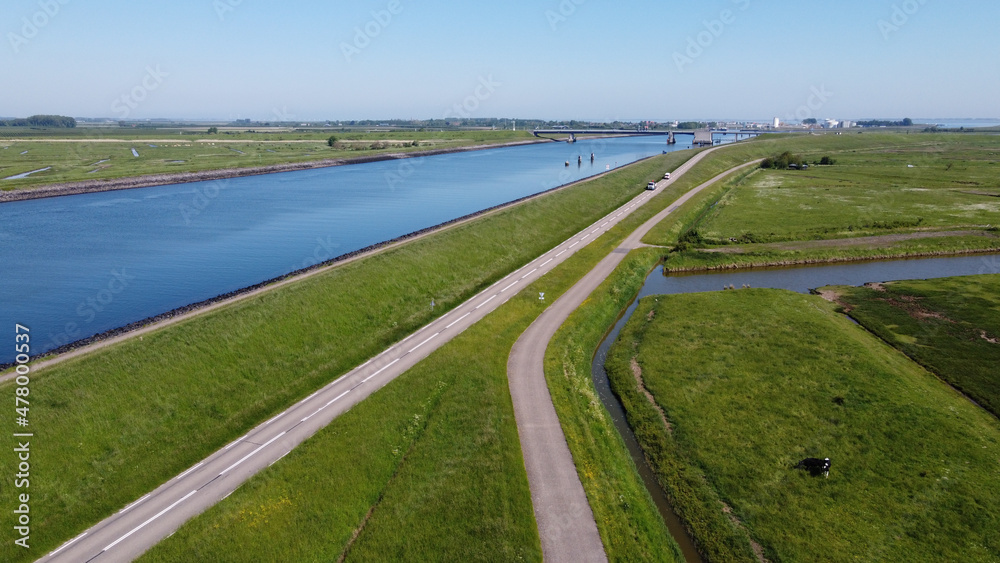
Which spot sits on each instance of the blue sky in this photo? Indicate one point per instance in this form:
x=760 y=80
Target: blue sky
x=550 y=59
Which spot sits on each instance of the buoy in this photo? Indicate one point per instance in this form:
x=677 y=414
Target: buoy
x=567 y=163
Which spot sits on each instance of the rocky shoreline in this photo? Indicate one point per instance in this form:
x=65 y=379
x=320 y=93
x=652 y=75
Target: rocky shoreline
x=112 y=184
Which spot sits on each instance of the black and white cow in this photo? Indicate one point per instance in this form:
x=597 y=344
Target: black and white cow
x=815 y=466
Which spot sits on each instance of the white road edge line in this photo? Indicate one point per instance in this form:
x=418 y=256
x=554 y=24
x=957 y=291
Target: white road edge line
x=275 y=418
x=276 y=461
x=243 y=437
x=259 y=448
x=485 y=302
x=182 y=475
x=455 y=322
x=67 y=544
x=129 y=507
x=365 y=380
x=140 y=526
x=432 y=337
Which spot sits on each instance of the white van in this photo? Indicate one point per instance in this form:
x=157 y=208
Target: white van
x=651 y=186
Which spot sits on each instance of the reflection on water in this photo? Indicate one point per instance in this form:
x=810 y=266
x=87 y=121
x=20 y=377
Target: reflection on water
x=186 y=243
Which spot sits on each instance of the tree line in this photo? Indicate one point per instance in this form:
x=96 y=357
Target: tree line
x=59 y=121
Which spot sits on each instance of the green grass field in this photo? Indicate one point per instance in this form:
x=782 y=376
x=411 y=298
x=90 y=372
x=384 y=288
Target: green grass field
x=901 y=195
x=125 y=419
x=950 y=326
x=105 y=153
x=753 y=381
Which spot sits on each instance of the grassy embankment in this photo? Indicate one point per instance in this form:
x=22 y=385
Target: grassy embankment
x=122 y=420
x=950 y=326
x=870 y=204
x=102 y=153
x=753 y=381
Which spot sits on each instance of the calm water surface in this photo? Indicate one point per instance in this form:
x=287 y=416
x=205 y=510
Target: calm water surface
x=79 y=265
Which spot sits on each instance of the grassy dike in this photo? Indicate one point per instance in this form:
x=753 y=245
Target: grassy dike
x=116 y=423
x=951 y=326
x=753 y=381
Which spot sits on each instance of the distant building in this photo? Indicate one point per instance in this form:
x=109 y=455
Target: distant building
x=847 y=124
x=777 y=122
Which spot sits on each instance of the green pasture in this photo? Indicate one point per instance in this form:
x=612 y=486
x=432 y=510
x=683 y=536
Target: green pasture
x=951 y=326
x=753 y=381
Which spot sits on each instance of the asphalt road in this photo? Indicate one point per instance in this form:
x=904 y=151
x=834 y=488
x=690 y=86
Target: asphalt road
x=140 y=525
x=565 y=521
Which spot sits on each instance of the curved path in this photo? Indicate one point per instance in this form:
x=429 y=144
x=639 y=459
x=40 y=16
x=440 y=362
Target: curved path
x=565 y=521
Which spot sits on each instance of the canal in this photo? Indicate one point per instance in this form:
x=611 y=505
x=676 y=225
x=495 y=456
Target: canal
x=80 y=265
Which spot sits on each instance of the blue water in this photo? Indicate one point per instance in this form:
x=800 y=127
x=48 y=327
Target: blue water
x=79 y=265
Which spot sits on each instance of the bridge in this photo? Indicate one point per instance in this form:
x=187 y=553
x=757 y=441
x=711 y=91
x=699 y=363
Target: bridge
x=702 y=137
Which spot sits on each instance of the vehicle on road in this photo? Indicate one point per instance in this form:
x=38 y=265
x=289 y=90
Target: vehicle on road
x=651 y=186
x=666 y=176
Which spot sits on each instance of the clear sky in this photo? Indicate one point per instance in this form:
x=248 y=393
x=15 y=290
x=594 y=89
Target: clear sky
x=548 y=59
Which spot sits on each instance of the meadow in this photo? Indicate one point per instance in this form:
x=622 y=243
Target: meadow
x=747 y=383
x=884 y=197
x=105 y=153
x=128 y=417
x=950 y=326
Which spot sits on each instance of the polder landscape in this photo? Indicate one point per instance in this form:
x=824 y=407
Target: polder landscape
x=557 y=281
x=725 y=391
